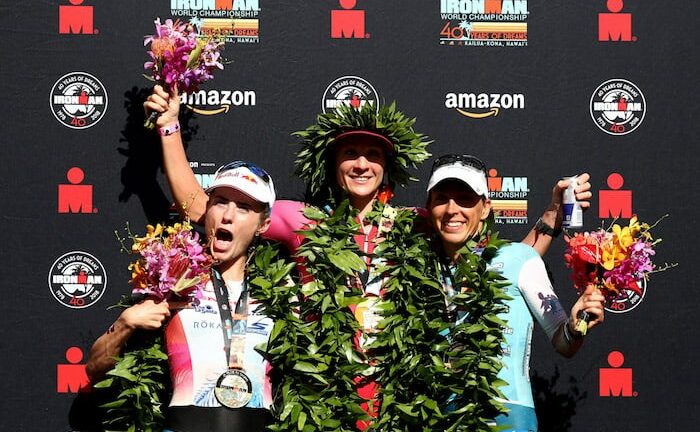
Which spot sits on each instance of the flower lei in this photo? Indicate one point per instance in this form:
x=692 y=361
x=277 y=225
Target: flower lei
x=427 y=382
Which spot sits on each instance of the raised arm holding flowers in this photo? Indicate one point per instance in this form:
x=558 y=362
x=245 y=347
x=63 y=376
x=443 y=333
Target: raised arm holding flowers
x=180 y=58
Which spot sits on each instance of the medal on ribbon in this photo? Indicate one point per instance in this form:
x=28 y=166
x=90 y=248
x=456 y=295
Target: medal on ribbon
x=233 y=388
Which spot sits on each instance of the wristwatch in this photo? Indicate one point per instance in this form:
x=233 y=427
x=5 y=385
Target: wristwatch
x=542 y=227
x=569 y=334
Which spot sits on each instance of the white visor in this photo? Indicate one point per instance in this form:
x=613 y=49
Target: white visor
x=473 y=177
x=243 y=179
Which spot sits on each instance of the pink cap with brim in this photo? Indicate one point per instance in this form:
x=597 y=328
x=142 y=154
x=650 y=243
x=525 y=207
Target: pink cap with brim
x=361 y=133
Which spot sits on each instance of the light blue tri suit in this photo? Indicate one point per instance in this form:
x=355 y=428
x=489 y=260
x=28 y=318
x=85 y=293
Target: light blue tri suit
x=532 y=296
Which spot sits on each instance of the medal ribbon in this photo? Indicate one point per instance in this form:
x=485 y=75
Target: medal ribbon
x=233 y=326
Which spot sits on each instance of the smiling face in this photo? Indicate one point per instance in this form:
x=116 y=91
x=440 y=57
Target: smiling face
x=360 y=164
x=231 y=222
x=456 y=212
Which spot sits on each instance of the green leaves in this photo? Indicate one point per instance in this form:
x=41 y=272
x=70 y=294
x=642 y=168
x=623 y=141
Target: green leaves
x=433 y=374
x=347 y=261
x=476 y=343
x=136 y=387
x=312 y=343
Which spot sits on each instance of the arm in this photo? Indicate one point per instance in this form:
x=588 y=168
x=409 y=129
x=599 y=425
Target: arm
x=536 y=288
x=147 y=315
x=187 y=193
x=568 y=340
x=552 y=216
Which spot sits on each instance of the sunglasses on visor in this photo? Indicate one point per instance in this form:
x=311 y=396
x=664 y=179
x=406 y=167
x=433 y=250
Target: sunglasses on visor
x=250 y=166
x=466 y=160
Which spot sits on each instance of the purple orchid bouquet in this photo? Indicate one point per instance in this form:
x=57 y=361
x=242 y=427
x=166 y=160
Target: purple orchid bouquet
x=172 y=262
x=180 y=57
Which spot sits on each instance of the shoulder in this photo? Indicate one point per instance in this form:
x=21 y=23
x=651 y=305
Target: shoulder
x=289 y=211
x=517 y=250
x=281 y=207
x=516 y=254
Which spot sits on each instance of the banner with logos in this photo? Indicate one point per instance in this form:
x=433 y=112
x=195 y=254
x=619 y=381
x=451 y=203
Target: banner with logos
x=538 y=90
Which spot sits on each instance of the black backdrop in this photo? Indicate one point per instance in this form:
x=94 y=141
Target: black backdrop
x=291 y=65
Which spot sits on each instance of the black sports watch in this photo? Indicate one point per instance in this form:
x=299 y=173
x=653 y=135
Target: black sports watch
x=542 y=227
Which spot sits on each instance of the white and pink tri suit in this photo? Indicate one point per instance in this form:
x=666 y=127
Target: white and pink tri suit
x=195 y=346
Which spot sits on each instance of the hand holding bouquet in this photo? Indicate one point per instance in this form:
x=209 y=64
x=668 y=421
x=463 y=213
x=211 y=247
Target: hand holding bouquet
x=612 y=260
x=180 y=58
x=172 y=263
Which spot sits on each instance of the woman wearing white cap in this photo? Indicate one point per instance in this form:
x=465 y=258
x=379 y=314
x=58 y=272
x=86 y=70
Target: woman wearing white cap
x=460 y=211
x=219 y=382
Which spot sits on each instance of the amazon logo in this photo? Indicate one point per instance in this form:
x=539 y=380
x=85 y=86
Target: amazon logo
x=482 y=105
x=213 y=102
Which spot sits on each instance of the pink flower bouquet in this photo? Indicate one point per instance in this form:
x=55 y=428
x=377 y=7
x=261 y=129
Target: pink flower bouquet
x=172 y=262
x=613 y=260
x=180 y=57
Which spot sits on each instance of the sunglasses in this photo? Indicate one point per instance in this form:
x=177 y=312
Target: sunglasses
x=250 y=166
x=466 y=160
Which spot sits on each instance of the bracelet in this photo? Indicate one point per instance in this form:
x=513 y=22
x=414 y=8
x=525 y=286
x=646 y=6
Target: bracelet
x=569 y=335
x=169 y=129
x=542 y=227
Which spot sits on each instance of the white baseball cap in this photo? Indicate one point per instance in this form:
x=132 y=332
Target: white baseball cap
x=247 y=178
x=465 y=168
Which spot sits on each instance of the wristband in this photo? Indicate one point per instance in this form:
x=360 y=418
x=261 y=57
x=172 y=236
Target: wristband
x=169 y=129
x=542 y=227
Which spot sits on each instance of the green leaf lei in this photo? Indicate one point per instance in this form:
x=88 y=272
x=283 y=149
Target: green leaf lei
x=433 y=374
x=312 y=344
x=314 y=158
x=137 y=388
x=476 y=343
